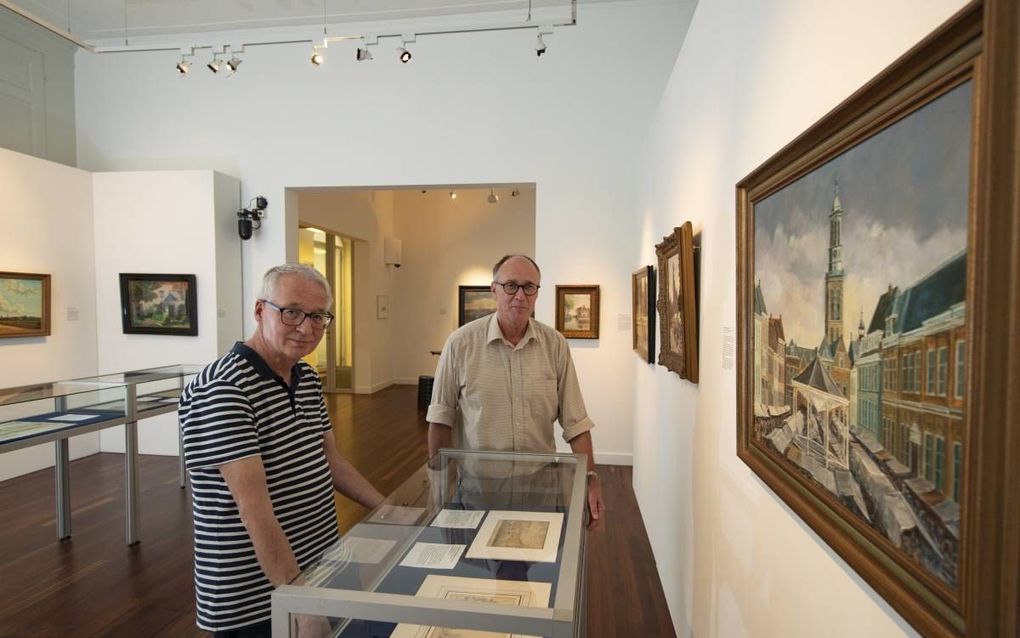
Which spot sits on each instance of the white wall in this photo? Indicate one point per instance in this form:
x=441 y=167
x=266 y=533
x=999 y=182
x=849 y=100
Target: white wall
x=733 y=559
x=449 y=243
x=470 y=108
x=165 y=222
x=47 y=228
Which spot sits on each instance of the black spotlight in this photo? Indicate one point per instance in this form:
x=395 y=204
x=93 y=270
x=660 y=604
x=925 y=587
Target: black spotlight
x=540 y=46
x=405 y=55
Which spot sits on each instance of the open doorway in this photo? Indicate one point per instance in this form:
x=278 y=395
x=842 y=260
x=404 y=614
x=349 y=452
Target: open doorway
x=333 y=256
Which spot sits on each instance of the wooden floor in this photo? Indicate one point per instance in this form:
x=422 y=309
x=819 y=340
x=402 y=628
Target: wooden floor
x=94 y=585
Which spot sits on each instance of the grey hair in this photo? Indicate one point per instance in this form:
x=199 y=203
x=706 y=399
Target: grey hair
x=272 y=276
x=506 y=258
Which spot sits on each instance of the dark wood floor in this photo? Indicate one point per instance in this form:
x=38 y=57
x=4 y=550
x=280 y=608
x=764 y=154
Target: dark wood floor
x=94 y=585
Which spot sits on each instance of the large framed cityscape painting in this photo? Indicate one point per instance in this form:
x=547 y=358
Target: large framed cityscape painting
x=863 y=333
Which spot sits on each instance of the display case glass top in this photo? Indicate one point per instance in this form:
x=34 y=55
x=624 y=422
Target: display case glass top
x=473 y=540
x=155 y=389
x=50 y=409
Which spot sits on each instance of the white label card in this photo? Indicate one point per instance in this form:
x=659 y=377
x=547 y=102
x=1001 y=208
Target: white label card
x=433 y=556
x=459 y=519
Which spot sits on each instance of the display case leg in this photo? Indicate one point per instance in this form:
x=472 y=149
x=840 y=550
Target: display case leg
x=62 y=476
x=131 y=481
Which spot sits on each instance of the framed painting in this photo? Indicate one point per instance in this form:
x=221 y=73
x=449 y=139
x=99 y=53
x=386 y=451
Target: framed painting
x=158 y=304
x=24 y=305
x=474 y=302
x=577 y=311
x=677 y=304
x=642 y=306
x=870 y=285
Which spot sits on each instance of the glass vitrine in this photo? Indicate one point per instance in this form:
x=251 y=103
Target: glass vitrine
x=155 y=390
x=473 y=542
x=34 y=414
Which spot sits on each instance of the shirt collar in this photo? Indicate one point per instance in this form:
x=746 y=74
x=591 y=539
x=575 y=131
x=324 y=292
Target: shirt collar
x=495 y=334
x=260 y=365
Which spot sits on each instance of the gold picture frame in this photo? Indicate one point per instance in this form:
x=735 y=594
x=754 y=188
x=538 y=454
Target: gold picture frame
x=677 y=303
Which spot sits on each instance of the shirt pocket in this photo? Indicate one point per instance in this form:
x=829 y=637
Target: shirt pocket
x=542 y=397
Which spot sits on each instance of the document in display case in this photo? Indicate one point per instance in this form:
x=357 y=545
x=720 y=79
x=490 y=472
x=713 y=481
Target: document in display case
x=521 y=516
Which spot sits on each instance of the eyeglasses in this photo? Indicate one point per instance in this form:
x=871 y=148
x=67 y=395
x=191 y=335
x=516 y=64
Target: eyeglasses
x=511 y=287
x=296 y=316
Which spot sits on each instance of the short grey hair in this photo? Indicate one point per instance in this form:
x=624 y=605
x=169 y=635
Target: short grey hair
x=506 y=258
x=272 y=276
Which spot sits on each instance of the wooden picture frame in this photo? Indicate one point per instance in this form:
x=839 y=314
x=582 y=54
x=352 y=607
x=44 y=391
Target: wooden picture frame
x=474 y=302
x=677 y=303
x=154 y=304
x=642 y=312
x=900 y=443
x=24 y=305
x=577 y=311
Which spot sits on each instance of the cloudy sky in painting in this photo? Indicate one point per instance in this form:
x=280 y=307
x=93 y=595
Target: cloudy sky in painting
x=904 y=195
x=19 y=297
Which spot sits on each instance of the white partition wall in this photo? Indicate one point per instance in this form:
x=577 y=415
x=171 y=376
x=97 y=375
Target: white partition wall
x=46 y=227
x=165 y=222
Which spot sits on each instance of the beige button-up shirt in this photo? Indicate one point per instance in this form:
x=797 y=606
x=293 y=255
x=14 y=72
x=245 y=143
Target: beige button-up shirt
x=497 y=396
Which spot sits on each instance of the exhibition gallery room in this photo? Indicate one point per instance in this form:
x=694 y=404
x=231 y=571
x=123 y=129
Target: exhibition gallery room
x=515 y=318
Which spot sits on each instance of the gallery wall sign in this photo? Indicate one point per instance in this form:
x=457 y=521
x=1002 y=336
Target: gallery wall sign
x=677 y=303
x=158 y=304
x=24 y=305
x=867 y=275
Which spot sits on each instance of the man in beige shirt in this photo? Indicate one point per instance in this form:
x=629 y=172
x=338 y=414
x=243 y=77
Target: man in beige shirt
x=503 y=380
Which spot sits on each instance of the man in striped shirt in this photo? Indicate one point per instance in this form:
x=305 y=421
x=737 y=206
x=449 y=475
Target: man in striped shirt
x=263 y=462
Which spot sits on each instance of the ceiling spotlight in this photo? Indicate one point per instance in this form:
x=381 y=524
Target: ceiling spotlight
x=405 y=55
x=214 y=66
x=317 y=58
x=539 y=46
x=453 y=195
x=515 y=192
x=183 y=66
x=233 y=63
x=493 y=197
x=362 y=54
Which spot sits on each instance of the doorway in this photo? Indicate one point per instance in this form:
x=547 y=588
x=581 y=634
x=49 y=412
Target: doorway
x=332 y=255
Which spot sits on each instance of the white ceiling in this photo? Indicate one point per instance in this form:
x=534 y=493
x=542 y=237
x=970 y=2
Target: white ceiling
x=137 y=22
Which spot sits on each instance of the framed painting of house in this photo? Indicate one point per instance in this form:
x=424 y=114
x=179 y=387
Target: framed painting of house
x=867 y=277
x=158 y=304
x=24 y=305
x=577 y=311
x=474 y=302
x=642 y=295
x=677 y=304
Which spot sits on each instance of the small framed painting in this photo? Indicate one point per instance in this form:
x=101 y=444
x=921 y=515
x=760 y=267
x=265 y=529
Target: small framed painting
x=678 y=318
x=577 y=311
x=159 y=304
x=642 y=288
x=474 y=302
x=24 y=305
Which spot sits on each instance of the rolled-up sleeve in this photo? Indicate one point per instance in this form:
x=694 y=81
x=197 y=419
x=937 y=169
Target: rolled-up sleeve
x=445 y=390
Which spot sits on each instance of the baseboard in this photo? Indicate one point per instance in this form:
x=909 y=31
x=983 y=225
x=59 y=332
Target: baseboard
x=405 y=381
x=372 y=389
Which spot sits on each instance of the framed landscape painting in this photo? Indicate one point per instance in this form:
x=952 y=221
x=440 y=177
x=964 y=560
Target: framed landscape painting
x=868 y=338
x=642 y=294
x=24 y=305
x=474 y=302
x=158 y=304
x=677 y=304
x=577 y=311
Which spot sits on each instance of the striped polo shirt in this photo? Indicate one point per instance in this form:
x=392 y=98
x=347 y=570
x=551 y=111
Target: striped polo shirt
x=237 y=407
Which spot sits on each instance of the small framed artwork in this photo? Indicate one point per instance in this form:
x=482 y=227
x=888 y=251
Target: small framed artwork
x=642 y=291
x=474 y=302
x=382 y=306
x=677 y=304
x=159 y=304
x=577 y=311
x=526 y=536
x=24 y=305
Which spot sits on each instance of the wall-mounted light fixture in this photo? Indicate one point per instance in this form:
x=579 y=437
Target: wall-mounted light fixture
x=250 y=219
x=493 y=197
x=402 y=53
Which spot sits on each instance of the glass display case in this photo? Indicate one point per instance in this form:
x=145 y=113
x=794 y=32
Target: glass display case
x=45 y=412
x=474 y=544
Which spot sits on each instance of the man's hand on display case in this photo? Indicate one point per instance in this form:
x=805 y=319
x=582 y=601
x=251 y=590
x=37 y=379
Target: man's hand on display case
x=596 y=508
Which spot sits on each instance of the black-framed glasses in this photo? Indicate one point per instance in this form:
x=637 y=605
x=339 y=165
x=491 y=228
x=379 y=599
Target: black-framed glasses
x=296 y=316
x=511 y=287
